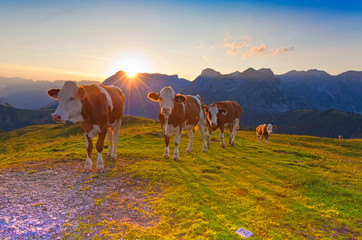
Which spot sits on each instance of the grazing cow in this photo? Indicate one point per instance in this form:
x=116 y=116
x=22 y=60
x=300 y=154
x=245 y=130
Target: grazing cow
x=264 y=131
x=223 y=114
x=99 y=109
x=178 y=113
x=340 y=137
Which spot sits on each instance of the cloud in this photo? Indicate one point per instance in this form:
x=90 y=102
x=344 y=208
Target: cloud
x=227 y=38
x=206 y=58
x=262 y=50
x=277 y=51
x=232 y=51
x=258 y=50
x=246 y=55
x=235 y=47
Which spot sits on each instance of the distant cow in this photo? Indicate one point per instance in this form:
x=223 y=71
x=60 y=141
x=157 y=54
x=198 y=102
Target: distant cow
x=98 y=108
x=264 y=131
x=340 y=137
x=178 y=113
x=221 y=115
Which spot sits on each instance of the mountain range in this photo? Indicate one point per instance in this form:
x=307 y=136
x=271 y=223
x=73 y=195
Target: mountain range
x=256 y=90
x=262 y=91
x=300 y=102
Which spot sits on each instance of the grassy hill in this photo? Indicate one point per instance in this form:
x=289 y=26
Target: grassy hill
x=310 y=122
x=13 y=118
x=296 y=187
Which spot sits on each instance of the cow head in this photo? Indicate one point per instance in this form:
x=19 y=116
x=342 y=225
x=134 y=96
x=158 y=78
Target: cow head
x=70 y=102
x=271 y=127
x=213 y=113
x=167 y=99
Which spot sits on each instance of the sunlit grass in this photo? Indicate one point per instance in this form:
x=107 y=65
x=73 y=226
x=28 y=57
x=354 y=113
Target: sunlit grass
x=296 y=187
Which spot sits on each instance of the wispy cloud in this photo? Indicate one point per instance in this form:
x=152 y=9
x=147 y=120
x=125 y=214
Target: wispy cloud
x=257 y=50
x=235 y=47
x=206 y=58
x=262 y=50
x=227 y=37
x=241 y=45
x=277 y=51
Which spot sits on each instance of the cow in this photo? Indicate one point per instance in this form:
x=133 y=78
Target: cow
x=98 y=108
x=223 y=114
x=177 y=113
x=264 y=131
x=340 y=137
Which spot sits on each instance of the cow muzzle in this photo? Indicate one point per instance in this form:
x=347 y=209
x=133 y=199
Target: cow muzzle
x=166 y=111
x=213 y=124
x=57 y=118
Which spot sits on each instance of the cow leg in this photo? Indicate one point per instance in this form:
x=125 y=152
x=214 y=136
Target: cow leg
x=89 y=146
x=177 y=141
x=191 y=139
x=235 y=128
x=230 y=130
x=167 y=150
x=110 y=141
x=266 y=139
x=203 y=136
x=100 y=143
x=222 y=136
x=115 y=139
x=258 y=136
x=209 y=137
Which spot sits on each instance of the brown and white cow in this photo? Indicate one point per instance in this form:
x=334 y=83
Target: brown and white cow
x=264 y=131
x=178 y=113
x=223 y=114
x=98 y=108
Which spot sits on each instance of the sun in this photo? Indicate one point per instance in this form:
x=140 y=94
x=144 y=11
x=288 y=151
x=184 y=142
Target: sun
x=131 y=65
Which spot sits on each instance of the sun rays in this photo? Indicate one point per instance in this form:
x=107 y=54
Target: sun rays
x=131 y=65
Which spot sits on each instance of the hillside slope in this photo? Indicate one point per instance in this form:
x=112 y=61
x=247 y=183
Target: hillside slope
x=329 y=123
x=296 y=187
x=13 y=118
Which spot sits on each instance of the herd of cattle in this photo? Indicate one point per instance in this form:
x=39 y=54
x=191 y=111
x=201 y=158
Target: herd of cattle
x=99 y=109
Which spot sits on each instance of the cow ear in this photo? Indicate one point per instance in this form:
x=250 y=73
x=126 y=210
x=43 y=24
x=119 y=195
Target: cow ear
x=81 y=92
x=179 y=98
x=206 y=108
x=53 y=93
x=154 y=96
x=274 y=126
x=222 y=111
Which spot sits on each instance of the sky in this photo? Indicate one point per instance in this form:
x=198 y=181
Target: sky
x=93 y=39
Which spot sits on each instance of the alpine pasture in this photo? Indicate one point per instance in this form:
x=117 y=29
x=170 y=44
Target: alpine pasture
x=295 y=187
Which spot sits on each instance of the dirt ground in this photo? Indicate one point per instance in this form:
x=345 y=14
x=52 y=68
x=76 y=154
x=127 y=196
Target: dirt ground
x=38 y=201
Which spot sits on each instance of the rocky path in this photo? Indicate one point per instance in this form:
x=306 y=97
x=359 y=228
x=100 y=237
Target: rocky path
x=39 y=201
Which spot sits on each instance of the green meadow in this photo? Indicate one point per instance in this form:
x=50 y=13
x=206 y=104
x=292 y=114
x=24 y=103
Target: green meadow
x=295 y=187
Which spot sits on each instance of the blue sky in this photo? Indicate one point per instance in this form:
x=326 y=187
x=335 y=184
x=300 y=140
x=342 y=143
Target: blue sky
x=93 y=39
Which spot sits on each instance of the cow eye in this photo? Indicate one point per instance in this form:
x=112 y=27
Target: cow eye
x=71 y=99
